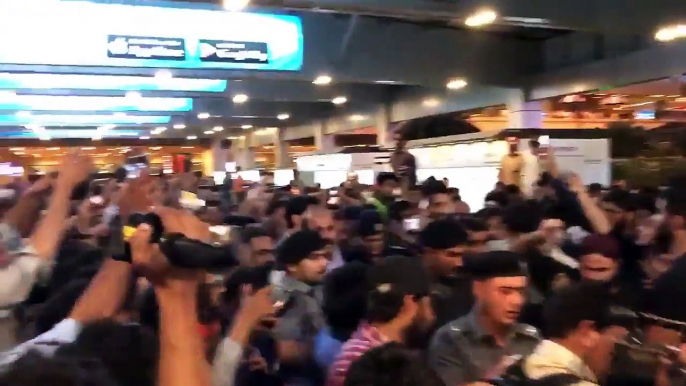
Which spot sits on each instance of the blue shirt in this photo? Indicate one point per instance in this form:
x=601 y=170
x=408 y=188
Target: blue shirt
x=326 y=348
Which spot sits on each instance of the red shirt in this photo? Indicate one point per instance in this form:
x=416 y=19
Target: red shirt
x=364 y=339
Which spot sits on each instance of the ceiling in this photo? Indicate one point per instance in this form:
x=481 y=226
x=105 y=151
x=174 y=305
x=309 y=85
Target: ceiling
x=373 y=50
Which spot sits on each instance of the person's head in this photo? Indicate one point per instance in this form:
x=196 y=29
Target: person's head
x=439 y=199
x=675 y=205
x=345 y=298
x=513 y=146
x=371 y=229
x=256 y=247
x=295 y=209
x=303 y=255
x=600 y=258
x=391 y=365
x=276 y=210
x=499 y=285
x=534 y=146
x=386 y=182
x=665 y=327
x=595 y=190
x=399 y=297
x=129 y=352
x=238 y=169
x=616 y=204
x=522 y=217
x=494 y=221
x=443 y=244
x=321 y=220
x=400 y=144
x=576 y=317
x=479 y=235
x=34 y=369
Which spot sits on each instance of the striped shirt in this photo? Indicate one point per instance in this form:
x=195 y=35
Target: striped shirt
x=364 y=339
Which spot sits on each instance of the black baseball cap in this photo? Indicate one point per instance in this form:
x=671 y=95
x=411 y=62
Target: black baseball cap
x=400 y=274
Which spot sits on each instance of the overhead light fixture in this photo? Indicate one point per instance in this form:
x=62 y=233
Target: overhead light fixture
x=17 y=148
x=385 y=82
x=431 y=102
x=203 y=115
x=481 y=18
x=164 y=74
x=134 y=95
x=46 y=138
x=669 y=33
x=283 y=117
x=144 y=137
x=192 y=137
x=218 y=128
x=339 y=100
x=23 y=114
x=356 y=118
x=240 y=98
x=322 y=80
x=88 y=148
x=246 y=127
x=235 y=5
x=456 y=84
x=208 y=132
x=7 y=94
x=53 y=148
x=120 y=115
x=179 y=126
x=656 y=96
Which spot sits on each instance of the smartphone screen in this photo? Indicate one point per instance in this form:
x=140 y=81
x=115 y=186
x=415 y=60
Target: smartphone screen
x=411 y=224
x=97 y=200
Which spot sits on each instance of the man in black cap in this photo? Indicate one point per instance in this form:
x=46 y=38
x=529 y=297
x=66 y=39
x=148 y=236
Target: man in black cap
x=303 y=259
x=398 y=310
x=443 y=243
x=484 y=342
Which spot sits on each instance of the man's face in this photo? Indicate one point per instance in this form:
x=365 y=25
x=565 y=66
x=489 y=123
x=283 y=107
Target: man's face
x=313 y=268
x=445 y=263
x=440 y=205
x=496 y=228
x=386 y=189
x=477 y=241
x=261 y=250
x=418 y=332
x=323 y=223
x=597 y=267
x=615 y=215
x=400 y=145
x=374 y=244
x=502 y=298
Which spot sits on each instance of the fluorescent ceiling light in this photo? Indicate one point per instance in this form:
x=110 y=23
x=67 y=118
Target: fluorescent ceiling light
x=134 y=95
x=431 y=102
x=322 y=80
x=9 y=81
x=339 y=100
x=673 y=32
x=192 y=137
x=179 y=126
x=283 y=117
x=357 y=117
x=94 y=103
x=481 y=18
x=203 y=115
x=246 y=127
x=23 y=114
x=234 y=5
x=209 y=132
x=144 y=137
x=164 y=74
x=218 y=128
x=456 y=84
x=240 y=98
x=80 y=120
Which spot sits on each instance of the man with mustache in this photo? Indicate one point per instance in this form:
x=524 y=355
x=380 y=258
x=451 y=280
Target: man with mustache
x=485 y=342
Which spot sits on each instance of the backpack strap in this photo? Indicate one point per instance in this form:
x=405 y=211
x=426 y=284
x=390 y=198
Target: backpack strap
x=515 y=376
x=556 y=380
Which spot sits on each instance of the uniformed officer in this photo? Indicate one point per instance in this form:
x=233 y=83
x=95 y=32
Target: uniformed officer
x=484 y=342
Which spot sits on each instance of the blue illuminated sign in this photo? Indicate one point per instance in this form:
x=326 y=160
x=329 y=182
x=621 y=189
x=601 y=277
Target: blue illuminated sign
x=93 y=103
x=107 y=82
x=66 y=133
x=98 y=34
x=25 y=118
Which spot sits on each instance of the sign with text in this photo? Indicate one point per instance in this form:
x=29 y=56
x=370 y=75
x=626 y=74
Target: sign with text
x=136 y=47
x=233 y=52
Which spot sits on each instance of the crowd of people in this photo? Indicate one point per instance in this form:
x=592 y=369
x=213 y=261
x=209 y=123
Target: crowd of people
x=394 y=284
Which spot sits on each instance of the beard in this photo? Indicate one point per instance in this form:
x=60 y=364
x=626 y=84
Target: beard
x=418 y=334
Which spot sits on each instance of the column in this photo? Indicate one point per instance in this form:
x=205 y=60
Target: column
x=220 y=154
x=245 y=155
x=325 y=143
x=524 y=114
x=282 y=151
x=382 y=120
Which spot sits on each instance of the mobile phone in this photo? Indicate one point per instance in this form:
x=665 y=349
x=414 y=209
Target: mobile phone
x=411 y=224
x=97 y=200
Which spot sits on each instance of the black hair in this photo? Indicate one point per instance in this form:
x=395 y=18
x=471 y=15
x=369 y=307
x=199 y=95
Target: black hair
x=524 y=217
x=443 y=234
x=59 y=305
x=129 y=352
x=345 y=298
x=296 y=207
x=34 y=369
x=432 y=186
x=488 y=213
x=455 y=194
x=512 y=189
x=382 y=307
x=385 y=176
x=473 y=224
x=584 y=301
x=250 y=232
x=499 y=198
x=275 y=205
x=595 y=188
x=396 y=209
x=391 y=365
x=620 y=198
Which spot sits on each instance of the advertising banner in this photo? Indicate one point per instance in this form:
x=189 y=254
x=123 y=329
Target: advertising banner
x=116 y=35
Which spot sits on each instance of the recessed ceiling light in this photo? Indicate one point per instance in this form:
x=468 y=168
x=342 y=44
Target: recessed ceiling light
x=53 y=148
x=246 y=127
x=356 y=117
x=322 y=80
x=156 y=148
x=203 y=115
x=145 y=137
x=96 y=138
x=481 y=18
x=283 y=117
x=234 y=5
x=240 y=98
x=17 y=149
x=218 y=128
x=44 y=138
x=164 y=74
x=656 y=96
x=209 y=132
x=179 y=126
x=431 y=102
x=192 y=137
x=385 y=82
x=456 y=84
x=19 y=153
x=134 y=95
x=339 y=100
x=88 y=148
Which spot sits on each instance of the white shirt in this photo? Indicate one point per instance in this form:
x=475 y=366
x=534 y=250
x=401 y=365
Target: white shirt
x=550 y=358
x=64 y=332
x=530 y=172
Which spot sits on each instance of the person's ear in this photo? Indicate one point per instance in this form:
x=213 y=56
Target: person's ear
x=478 y=289
x=409 y=308
x=588 y=333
